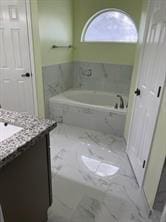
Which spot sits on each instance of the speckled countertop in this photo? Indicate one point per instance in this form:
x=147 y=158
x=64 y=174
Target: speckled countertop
x=33 y=129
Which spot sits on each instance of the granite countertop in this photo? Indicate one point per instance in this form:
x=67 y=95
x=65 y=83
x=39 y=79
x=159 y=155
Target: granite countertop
x=33 y=129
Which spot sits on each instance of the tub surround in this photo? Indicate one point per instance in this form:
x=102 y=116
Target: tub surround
x=102 y=77
x=33 y=130
x=106 y=77
x=56 y=79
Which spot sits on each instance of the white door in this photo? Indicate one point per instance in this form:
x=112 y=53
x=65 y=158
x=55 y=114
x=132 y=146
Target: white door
x=16 y=89
x=149 y=92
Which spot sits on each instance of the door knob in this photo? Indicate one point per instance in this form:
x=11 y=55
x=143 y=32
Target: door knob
x=26 y=75
x=137 y=92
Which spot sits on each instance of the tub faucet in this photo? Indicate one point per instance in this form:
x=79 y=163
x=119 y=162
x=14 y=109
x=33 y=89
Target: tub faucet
x=121 y=101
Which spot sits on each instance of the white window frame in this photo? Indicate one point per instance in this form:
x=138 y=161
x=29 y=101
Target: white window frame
x=90 y=20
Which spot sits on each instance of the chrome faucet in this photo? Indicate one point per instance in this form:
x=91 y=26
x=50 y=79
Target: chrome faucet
x=121 y=101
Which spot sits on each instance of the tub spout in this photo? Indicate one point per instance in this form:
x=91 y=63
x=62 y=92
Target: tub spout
x=121 y=101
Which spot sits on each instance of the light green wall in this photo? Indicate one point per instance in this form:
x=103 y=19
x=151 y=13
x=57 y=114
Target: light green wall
x=56 y=27
x=103 y=52
x=55 y=20
x=37 y=57
x=158 y=150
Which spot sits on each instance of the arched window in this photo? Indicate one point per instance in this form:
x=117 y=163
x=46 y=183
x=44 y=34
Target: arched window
x=110 y=25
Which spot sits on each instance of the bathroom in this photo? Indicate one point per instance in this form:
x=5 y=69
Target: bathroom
x=86 y=66
x=88 y=82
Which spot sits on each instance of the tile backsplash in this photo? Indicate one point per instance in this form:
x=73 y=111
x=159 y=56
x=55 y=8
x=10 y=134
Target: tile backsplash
x=85 y=75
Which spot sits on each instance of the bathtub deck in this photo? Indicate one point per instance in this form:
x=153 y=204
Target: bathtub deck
x=92 y=179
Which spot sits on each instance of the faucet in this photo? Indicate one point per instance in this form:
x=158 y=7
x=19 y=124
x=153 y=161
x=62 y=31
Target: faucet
x=121 y=102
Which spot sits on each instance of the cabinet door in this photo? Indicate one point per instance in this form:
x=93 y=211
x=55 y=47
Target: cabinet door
x=25 y=185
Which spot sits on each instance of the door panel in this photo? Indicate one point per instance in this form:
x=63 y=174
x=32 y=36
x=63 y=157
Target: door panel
x=16 y=45
x=16 y=91
x=151 y=77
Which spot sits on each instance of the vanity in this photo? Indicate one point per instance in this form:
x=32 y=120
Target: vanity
x=25 y=171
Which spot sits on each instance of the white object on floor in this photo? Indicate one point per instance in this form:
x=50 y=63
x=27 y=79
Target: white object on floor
x=1 y=215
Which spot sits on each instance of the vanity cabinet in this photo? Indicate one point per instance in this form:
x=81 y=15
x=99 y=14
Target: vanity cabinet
x=25 y=184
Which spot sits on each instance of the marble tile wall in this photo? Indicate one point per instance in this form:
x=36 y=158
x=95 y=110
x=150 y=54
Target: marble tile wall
x=92 y=76
x=160 y=200
x=56 y=79
x=103 y=77
x=89 y=118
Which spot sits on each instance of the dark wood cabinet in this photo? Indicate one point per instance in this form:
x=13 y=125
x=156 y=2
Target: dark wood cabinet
x=25 y=184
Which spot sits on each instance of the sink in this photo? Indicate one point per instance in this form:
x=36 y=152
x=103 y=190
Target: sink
x=8 y=130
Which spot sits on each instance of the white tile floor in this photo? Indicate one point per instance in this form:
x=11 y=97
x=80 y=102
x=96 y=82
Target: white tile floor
x=92 y=179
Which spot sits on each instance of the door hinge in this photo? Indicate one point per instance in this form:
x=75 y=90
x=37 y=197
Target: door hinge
x=159 y=91
x=143 y=165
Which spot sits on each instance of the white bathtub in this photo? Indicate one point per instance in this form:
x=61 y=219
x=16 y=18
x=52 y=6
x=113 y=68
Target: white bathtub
x=89 y=109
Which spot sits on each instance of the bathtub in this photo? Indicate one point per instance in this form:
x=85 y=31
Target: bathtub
x=89 y=109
